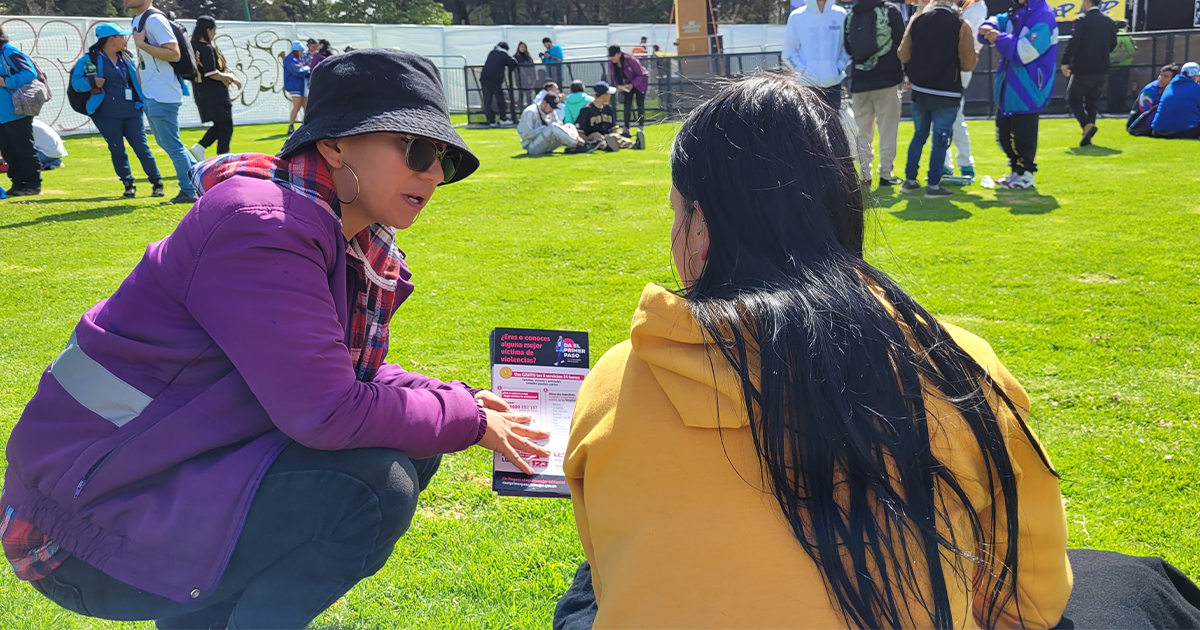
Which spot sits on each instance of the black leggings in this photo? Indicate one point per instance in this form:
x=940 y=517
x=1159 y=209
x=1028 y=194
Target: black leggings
x=641 y=105
x=220 y=132
x=16 y=147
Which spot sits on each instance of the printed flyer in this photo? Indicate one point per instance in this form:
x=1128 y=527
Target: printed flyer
x=538 y=372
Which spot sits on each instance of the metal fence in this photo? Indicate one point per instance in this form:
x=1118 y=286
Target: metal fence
x=678 y=84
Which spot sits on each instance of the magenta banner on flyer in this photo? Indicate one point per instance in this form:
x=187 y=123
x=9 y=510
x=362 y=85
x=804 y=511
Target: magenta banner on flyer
x=538 y=372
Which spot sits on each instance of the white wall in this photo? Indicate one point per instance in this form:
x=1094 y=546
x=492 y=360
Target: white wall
x=254 y=49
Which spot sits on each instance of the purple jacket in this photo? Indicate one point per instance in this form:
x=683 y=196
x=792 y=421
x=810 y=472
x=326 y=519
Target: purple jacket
x=1028 y=47
x=634 y=73
x=148 y=436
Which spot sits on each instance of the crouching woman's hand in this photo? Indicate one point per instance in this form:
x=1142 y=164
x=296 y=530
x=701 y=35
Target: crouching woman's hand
x=507 y=434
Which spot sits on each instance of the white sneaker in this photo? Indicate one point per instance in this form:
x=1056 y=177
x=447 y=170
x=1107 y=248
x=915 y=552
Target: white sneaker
x=506 y=123
x=197 y=152
x=1024 y=182
x=1007 y=180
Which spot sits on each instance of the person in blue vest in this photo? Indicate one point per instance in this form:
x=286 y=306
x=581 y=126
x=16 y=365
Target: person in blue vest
x=1178 y=114
x=16 y=131
x=116 y=103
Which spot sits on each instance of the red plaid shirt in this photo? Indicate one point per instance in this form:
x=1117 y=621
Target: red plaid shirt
x=30 y=553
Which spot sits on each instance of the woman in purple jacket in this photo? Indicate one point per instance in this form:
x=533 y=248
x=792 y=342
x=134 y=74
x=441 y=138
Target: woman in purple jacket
x=221 y=443
x=632 y=81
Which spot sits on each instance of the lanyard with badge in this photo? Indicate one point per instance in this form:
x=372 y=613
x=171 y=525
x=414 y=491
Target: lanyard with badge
x=123 y=70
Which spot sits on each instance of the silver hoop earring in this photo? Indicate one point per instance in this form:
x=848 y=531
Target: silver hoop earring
x=357 y=188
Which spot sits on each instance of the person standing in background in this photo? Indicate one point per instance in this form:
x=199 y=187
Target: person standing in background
x=491 y=82
x=1119 y=85
x=526 y=77
x=212 y=90
x=631 y=80
x=163 y=90
x=974 y=12
x=873 y=32
x=16 y=132
x=937 y=48
x=813 y=45
x=552 y=58
x=324 y=51
x=295 y=82
x=116 y=103
x=1086 y=62
x=1027 y=40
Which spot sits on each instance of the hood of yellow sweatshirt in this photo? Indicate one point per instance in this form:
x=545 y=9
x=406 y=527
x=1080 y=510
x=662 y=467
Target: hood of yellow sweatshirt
x=699 y=381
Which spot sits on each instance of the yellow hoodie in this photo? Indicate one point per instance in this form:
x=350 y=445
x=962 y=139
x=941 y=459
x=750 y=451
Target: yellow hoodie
x=682 y=532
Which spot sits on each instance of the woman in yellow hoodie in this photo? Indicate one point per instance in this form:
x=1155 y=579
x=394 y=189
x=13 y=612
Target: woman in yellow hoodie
x=794 y=441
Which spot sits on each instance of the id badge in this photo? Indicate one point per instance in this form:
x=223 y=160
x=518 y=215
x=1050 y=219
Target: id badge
x=129 y=94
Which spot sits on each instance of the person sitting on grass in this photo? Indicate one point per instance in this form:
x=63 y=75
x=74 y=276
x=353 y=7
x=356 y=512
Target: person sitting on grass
x=541 y=132
x=550 y=87
x=597 y=122
x=1178 y=112
x=221 y=444
x=49 y=146
x=574 y=102
x=1138 y=123
x=791 y=440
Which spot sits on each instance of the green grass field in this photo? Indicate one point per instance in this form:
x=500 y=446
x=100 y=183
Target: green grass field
x=1089 y=290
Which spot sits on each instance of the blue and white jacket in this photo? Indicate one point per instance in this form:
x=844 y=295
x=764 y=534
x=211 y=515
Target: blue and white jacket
x=1028 y=47
x=80 y=82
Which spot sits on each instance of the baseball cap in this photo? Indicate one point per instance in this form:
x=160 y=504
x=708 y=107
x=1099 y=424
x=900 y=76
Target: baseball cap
x=108 y=29
x=297 y=46
x=552 y=99
x=603 y=87
x=1191 y=69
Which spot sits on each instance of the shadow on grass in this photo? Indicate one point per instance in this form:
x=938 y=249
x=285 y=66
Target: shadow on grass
x=78 y=215
x=921 y=209
x=72 y=199
x=948 y=209
x=527 y=156
x=1093 y=150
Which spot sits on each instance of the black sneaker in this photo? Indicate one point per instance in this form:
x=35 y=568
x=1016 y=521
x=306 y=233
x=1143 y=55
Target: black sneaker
x=181 y=198
x=25 y=192
x=640 y=143
x=291 y=129
x=579 y=148
x=130 y=190
x=910 y=186
x=937 y=191
x=158 y=190
x=625 y=133
x=890 y=181
x=592 y=146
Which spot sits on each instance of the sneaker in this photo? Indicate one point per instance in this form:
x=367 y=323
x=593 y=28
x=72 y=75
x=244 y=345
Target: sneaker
x=506 y=123
x=181 y=198
x=25 y=192
x=1089 y=132
x=494 y=125
x=291 y=129
x=579 y=148
x=910 y=186
x=937 y=191
x=130 y=190
x=640 y=143
x=197 y=152
x=625 y=133
x=592 y=146
x=1023 y=182
x=969 y=171
x=1007 y=180
x=890 y=181
x=158 y=191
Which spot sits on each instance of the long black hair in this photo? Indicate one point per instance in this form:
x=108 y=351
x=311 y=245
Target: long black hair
x=836 y=360
x=200 y=33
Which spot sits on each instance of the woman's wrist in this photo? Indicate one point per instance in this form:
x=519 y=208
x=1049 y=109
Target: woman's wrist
x=482 y=425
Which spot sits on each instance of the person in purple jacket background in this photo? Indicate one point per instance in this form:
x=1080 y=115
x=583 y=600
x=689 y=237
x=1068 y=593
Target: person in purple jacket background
x=221 y=443
x=632 y=82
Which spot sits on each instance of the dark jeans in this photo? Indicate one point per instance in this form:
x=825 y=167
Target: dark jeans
x=832 y=96
x=493 y=93
x=116 y=131
x=1111 y=590
x=16 y=147
x=941 y=119
x=1017 y=135
x=1118 y=90
x=1138 y=123
x=628 y=99
x=1190 y=134
x=220 y=132
x=321 y=522
x=1083 y=96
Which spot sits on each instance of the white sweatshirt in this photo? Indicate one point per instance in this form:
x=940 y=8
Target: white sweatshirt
x=813 y=44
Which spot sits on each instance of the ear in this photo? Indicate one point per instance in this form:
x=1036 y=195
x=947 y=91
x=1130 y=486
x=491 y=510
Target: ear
x=701 y=229
x=331 y=149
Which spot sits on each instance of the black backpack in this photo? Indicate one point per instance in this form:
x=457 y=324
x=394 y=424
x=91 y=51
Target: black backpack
x=79 y=100
x=869 y=37
x=185 y=68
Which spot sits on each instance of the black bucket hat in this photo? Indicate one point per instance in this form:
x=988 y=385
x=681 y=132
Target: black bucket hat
x=378 y=90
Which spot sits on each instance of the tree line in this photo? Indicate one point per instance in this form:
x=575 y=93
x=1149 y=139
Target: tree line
x=418 y=11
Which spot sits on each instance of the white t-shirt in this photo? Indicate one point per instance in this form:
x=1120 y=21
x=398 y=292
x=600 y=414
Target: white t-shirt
x=157 y=76
x=47 y=142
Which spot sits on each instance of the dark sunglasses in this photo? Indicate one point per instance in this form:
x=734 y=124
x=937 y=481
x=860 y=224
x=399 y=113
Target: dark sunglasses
x=421 y=153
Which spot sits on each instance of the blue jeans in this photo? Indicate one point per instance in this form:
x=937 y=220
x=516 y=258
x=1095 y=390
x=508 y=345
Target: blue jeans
x=164 y=121
x=942 y=120
x=116 y=131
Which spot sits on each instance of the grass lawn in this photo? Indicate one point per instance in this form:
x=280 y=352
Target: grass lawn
x=1089 y=290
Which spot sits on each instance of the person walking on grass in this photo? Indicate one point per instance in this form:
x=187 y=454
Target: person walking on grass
x=212 y=90
x=873 y=32
x=16 y=131
x=813 y=44
x=597 y=122
x=937 y=48
x=162 y=89
x=221 y=444
x=1027 y=40
x=492 y=80
x=1178 y=112
x=632 y=82
x=295 y=82
x=116 y=104
x=1086 y=62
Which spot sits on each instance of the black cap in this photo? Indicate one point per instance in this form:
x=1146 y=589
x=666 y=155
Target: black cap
x=378 y=90
x=552 y=99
